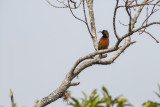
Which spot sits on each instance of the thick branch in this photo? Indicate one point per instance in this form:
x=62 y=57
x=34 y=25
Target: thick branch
x=91 y=59
x=117 y=54
x=92 y=22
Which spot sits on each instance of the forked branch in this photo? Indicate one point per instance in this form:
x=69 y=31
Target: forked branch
x=93 y=58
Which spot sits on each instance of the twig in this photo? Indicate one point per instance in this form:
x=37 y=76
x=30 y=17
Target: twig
x=54 y=5
x=140 y=32
x=73 y=3
x=137 y=5
x=73 y=13
x=122 y=23
x=151 y=36
x=152 y=12
x=74 y=83
x=65 y=6
x=142 y=27
x=86 y=22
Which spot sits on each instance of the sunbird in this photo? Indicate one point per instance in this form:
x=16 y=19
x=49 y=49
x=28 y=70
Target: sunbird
x=104 y=40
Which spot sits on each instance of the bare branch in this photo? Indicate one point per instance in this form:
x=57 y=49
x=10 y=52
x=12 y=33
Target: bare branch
x=86 y=22
x=122 y=23
x=114 y=20
x=117 y=54
x=55 y=6
x=132 y=6
x=73 y=13
x=142 y=4
x=152 y=12
x=152 y=36
x=74 y=83
x=134 y=20
x=73 y=3
x=86 y=19
x=129 y=14
x=92 y=23
x=142 y=27
x=65 y=6
x=93 y=58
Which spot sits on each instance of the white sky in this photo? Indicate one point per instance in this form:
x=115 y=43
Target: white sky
x=39 y=44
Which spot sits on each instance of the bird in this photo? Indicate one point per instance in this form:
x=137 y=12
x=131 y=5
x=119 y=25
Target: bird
x=104 y=40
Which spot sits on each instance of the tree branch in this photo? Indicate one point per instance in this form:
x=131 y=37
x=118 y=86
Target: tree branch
x=93 y=58
x=73 y=13
x=152 y=36
x=65 y=6
x=134 y=20
x=114 y=20
x=84 y=11
x=147 y=25
x=92 y=22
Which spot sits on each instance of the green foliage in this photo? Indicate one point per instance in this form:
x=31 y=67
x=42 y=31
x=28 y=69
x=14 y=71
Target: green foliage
x=12 y=99
x=151 y=103
x=94 y=100
x=15 y=105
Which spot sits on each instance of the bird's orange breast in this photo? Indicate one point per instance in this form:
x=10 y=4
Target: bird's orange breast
x=103 y=43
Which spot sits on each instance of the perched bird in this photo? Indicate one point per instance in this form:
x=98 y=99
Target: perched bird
x=104 y=40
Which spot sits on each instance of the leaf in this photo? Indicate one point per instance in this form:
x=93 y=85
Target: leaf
x=75 y=100
x=157 y=94
x=105 y=90
x=94 y=92
x=85 y=95
x=151 y=104
x=15 y=105
x=11 y=93
x=100 y=102
x=108 y=97
x=116 y=100
x=122 y=100
x=95 y=100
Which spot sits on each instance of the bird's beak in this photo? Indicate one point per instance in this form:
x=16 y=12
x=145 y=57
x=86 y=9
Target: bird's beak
x=100 y=32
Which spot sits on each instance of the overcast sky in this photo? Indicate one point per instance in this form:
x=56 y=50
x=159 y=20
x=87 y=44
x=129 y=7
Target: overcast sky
x=39 y=44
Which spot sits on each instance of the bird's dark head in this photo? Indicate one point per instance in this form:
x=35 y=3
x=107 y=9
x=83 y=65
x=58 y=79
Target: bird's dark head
x=105 y=33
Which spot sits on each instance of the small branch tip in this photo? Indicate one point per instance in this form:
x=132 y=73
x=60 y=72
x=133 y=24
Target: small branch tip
x=74 y=83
